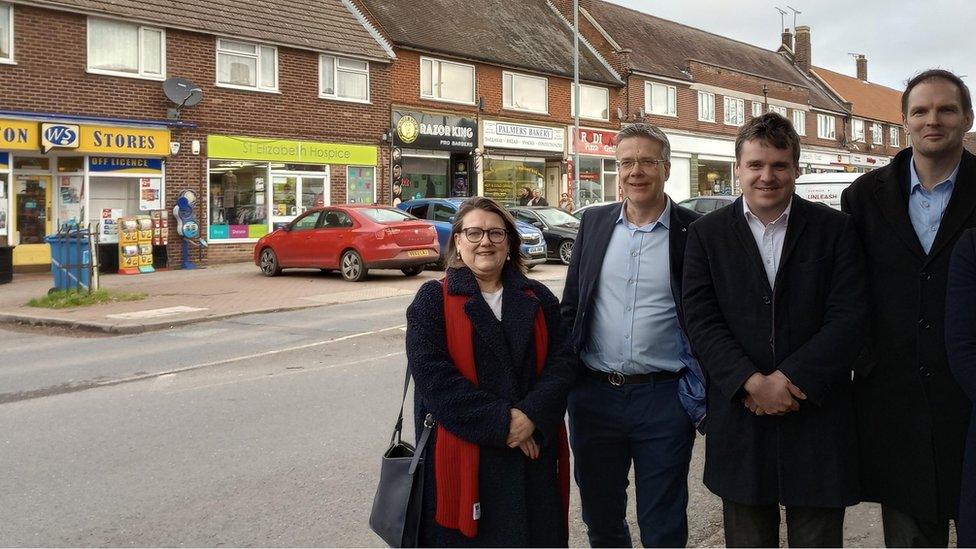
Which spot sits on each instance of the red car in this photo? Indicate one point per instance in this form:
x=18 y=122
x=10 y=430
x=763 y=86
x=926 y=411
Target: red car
x=352 y=239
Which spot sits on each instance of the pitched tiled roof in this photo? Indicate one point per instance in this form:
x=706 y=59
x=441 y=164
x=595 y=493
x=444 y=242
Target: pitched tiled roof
x=663 y=47
x=325 y=25
x=527 y=34
x=872 y=101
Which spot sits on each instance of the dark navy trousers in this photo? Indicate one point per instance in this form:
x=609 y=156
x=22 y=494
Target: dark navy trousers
x=644 y=424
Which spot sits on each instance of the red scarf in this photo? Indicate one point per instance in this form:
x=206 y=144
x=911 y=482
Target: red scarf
x=456 y=461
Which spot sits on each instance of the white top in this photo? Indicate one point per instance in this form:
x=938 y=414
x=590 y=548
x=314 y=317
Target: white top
x=494 y=300
x=769 y=239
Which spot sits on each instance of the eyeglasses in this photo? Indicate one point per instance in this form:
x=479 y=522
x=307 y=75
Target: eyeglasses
x=630 y=163
x=475 y=234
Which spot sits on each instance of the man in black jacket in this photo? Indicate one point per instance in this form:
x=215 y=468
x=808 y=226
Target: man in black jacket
x=912 y=415
x=773 y=299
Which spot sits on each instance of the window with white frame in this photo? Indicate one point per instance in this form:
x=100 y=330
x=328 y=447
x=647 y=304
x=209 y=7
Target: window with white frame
x=660 y=99
x=345 y=79
x=826 y=128
x=125 y=49
x=595 y=100
x=894 y=136
x=6 y=32
x=521 y=92
x=857 y=130
x=247 y=65
x=800 y=121
x=446 y=81
x=757 y=109
x=877 y=137
x=779 y=110
x=706 y=106
x=735 y=111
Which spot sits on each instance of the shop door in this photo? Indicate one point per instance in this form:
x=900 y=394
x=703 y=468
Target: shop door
x=292 y=195
x=313 y=192
x=33 y=206
x=552 y=185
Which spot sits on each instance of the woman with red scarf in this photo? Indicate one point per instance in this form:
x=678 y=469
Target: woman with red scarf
x=486 y=349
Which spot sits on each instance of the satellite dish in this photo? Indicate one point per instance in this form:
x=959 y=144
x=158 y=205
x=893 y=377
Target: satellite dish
x=182 y=92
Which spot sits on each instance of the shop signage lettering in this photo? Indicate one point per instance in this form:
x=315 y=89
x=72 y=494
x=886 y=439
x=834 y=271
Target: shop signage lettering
x=871 y=161
x=61 y=136
x=524 y=136
x=19 y=135
x=423 y=130
x=103 y=164
x=300 y=152
x=112 y=140
x=121 y=140
x=596 y=142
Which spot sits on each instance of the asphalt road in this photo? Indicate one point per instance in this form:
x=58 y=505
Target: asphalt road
x=265 y=430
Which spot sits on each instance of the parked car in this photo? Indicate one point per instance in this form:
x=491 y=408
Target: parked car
x=578 y=213
x=441 y=211
x=558 y=227
x=707 y=204
x=824 y=187
x=351 y=239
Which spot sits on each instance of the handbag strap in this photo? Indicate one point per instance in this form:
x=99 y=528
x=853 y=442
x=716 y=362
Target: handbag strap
x=399 y=422
x=422 y=442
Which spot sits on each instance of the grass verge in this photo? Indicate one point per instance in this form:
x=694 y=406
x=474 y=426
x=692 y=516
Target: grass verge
x=72 y=298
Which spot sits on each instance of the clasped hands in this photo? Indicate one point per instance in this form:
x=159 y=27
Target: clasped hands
x=771 y=394
x=520 y=430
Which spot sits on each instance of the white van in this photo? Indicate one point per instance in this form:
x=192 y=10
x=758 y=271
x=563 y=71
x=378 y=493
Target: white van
x=824 y=187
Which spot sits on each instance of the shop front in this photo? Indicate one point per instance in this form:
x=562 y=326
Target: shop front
x=54 y=174
x=824 y=161
x=700 y=166
x=432 y=155
x=256 y=185
x=598 y=165
x=863 y=163
x=522 y=155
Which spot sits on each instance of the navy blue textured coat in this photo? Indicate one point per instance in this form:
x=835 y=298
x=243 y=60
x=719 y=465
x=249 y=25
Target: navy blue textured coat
x=520 y=499
x=961 y=350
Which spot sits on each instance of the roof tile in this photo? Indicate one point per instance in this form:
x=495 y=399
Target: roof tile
x=870 y=100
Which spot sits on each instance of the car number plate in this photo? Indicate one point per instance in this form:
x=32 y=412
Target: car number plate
x=537 y=249
x=417 y=253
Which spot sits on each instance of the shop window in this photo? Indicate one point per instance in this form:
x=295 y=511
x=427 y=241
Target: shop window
x=504 y=177
x=4 y=205
x=857 y=130
x=735 y=111
x=125 y=49
x=238 y=199
x=826 y=128
x=706 y=106
x=6 y=33
x=32 y=163
x=876 y=137
x=800 y=121
x=446 y=81
x=757 y=109
x=595 y=101
x=610 y=187
x=779 y=110
x=715 y=178
x=345 y=79
x=660 y=99
x=425 y=177
x=360 y=185
x=246 y=65
x=893 y=136
x=71 y=164
x=525 y=93
x=71 y=199
x=590 y=181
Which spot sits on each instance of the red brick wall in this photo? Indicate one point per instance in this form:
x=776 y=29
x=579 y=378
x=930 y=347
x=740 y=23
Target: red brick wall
x=867 y=147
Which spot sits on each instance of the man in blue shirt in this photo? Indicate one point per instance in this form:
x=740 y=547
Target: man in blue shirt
x=640 y=392
x=912 y=414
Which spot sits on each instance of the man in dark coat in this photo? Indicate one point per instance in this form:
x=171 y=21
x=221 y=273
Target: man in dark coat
x=912 y=415
x=640 y=391
x=773 y=298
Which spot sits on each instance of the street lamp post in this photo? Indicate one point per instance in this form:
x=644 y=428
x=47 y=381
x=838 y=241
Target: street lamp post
x=576 y=102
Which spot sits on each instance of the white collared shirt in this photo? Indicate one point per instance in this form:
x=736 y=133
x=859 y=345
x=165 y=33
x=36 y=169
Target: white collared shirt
x=769 y=239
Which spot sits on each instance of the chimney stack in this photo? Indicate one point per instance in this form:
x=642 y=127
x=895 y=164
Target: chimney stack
x=862 y=67
x=803 y=54
x=788 y=39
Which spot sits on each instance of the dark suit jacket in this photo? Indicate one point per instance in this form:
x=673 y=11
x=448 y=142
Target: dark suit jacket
x=809 y=327
x=584 y=274
x=912 y=415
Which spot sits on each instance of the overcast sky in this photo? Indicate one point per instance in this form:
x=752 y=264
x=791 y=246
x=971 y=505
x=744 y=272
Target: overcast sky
x=899 y=37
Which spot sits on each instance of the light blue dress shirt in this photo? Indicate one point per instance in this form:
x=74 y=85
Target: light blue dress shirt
x=926 y=208
x=634 y=328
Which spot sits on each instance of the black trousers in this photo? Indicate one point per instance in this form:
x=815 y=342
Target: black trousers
x=904 y=530
x=758 y=525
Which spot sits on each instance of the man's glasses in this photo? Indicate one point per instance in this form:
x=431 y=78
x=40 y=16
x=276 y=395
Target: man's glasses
x=475 y=234
x=630 y=163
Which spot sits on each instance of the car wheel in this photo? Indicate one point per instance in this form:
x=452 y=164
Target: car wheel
x=269 y=263
x=351 y=266
x=413 y=271
x=565 y=251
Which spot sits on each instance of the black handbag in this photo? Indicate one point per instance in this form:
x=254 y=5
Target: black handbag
x=398 y=503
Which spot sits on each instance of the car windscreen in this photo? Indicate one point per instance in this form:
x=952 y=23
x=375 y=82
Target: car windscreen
x=385 y=215
x=552 y=216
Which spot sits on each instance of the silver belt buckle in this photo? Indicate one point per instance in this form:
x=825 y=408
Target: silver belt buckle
x=615 y=378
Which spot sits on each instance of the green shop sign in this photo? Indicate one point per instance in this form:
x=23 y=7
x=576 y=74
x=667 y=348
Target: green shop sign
x=232 y=147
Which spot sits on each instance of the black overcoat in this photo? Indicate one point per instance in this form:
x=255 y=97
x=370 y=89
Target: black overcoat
x=912 y=415
x=809 y=328
x=961 y=350
x=520 y=498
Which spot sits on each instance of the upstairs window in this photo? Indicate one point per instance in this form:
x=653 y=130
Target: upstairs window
x=857 y=130
x=826 y=128
x=345 y=79
x=706 y=106
x=800 y=121
x=124 y=49
x=446 y=81
x=521 y=92
x=757 y=109
x=660 y=99
x=595 y=101
x=735 y=111
x=779 y=110
x=247 y=66
x=877 y=137
x=6 y=33
x=894 y=136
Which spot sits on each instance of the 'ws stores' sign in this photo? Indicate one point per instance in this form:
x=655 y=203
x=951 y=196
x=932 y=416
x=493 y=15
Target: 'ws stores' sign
x=26 y=135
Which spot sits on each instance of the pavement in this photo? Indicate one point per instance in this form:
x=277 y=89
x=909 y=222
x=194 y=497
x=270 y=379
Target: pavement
x=179 y=297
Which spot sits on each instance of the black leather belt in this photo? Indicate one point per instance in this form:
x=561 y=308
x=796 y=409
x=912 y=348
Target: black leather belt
x=617 y=379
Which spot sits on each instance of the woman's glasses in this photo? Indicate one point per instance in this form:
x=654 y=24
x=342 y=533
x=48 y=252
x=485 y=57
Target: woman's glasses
x=475 y=234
